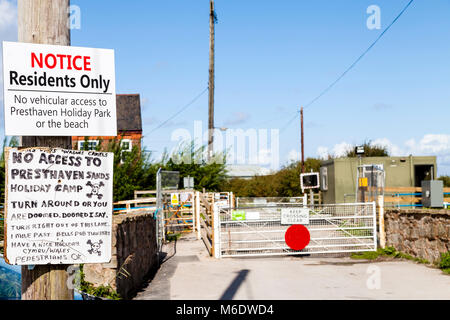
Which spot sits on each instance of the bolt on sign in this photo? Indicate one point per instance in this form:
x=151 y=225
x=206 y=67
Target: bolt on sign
x=294 y=216
x=58 y=206
x=54 y=90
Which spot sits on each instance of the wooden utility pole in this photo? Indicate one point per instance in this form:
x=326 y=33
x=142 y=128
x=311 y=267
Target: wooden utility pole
x=212 y=21
x=45 y=22
x=302 y=144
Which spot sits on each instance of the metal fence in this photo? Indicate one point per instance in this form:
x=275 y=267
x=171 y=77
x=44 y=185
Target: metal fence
x=269 y=201
x=333 y=229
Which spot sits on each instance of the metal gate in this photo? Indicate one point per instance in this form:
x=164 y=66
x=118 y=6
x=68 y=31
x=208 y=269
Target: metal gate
x=257 y=231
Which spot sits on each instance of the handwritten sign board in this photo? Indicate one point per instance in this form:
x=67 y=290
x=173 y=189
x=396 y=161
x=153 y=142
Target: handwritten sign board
x=58 y=206
x=54 y=90
x=294 y=216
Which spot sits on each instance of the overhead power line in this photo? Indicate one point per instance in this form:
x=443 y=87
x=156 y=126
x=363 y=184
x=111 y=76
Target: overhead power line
x=181 y=110
x=289 y=122
x=359 y=58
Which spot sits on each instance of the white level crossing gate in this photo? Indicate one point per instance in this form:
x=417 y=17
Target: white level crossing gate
x=257 y=231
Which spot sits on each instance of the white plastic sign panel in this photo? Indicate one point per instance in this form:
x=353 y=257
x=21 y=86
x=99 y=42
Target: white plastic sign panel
x=54 y=90
x=253 y=215
x=294 y=216
x=58 y=206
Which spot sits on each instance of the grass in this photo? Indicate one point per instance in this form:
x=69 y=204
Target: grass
x=100 y=291
x=354 y=232
x=387 y=252
x=443 y=264
x=173 y=236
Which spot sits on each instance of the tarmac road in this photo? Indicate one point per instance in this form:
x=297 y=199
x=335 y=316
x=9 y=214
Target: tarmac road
x=190 y=273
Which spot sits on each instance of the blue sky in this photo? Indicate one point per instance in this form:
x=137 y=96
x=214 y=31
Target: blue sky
x=274 y=56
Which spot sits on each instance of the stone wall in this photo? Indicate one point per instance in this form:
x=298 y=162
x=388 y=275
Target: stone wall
x=134 y=255
x=422 y=233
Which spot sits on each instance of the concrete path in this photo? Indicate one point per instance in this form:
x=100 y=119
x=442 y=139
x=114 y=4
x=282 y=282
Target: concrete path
x=190 y=273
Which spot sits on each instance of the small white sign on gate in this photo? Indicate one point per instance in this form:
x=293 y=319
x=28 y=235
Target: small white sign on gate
x=295 y=216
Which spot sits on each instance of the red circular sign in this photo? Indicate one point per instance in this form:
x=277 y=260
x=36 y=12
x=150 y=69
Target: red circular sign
x=297 y=237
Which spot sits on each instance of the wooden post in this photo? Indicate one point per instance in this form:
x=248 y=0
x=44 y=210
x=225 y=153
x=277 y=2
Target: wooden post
x=197 y=213
x=381 y=221
x=45 y=22
x=302 y=146
x=212 y=18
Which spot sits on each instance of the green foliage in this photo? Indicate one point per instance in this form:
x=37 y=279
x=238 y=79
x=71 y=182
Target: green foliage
x=189 y=161
x=354 y=232
x=13 y=142
x=444 y=262
x=100 y=291
x=387 y=252
x=370 y=150
x=283 y=183
x=446 y=180
x=173 y=236
x=130 y=170
x=368 y=255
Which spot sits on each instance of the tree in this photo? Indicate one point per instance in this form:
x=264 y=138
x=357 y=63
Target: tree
x=283 y=183
x=370 y=150
x=189 y=160
x=446 y=180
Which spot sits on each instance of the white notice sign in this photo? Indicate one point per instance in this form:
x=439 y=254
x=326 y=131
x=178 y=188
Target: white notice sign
x=58 y=206
x=58 y=90
x=294 y=216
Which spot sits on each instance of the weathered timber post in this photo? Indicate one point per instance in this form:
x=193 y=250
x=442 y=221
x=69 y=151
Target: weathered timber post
x=45 y=22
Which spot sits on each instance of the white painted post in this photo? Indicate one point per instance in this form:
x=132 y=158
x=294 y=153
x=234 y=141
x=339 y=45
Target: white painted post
x=374 y=208
x=216 y=226
x=197 y=213
x=381 y=221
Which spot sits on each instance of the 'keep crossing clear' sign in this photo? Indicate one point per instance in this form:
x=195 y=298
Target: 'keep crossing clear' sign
x=295 y=216
x=58 y=206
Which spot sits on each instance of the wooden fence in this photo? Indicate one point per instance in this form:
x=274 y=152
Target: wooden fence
x=206 y=220
x=407 y=196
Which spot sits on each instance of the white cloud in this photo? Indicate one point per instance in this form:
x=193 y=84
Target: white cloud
x=341 y=149
x=322 y=152
x=8 y=32
x=237 y=118
x=8 y=15
x=294 y=156
x=429 y=145
x=393 y=149
x=381 y=106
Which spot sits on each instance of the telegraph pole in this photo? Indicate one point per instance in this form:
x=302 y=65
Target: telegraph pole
x=302 y=142
x=212 y=18
x=45 y=22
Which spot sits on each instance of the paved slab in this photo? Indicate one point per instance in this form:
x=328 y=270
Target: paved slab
x=190 y=273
